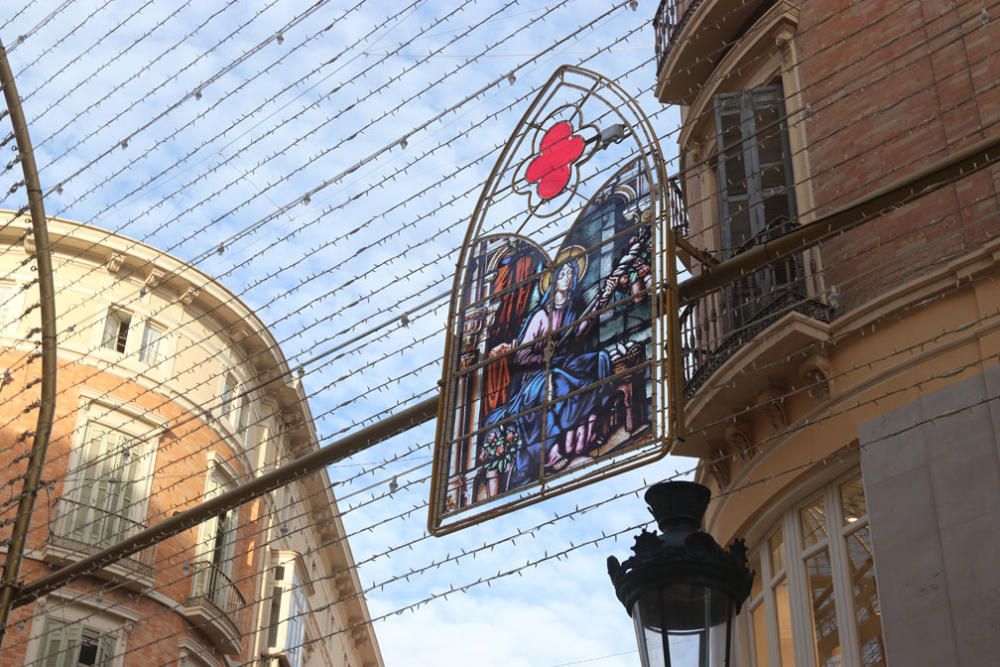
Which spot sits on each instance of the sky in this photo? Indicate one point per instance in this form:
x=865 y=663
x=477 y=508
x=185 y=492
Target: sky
x=322 y=160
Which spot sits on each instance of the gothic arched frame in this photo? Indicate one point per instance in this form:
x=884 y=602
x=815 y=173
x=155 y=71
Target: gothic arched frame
x=508 y=174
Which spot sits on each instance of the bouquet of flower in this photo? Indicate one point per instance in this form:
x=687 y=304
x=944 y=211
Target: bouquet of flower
x=500 y=447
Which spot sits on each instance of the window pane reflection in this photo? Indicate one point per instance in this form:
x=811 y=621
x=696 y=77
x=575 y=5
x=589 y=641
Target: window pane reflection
x=866 y=609
x=813 y=518
x=852 y=501
x=759 y=621
x=777 y=553
x=819 y=576
x=785 y=642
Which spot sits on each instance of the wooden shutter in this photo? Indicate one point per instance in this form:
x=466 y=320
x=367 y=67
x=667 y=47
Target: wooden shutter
x=756 y=193
x=110 y=337
x=92 y=485
x=60 y=643
x=105 y=651
x=756 y=185
x=108 y=486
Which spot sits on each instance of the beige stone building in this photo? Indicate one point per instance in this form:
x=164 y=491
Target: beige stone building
x=843 y=401
x=155 y=359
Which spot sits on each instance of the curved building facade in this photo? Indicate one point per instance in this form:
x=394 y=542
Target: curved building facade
x=842 y=401
x=170 y=391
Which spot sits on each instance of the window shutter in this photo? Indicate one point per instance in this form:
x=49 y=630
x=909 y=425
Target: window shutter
x=53 y=643
x=60 y=643
x=756 y=185
x=151 y=341
x=731 y=143
x=93 y=489
x=110 y=337
x=105 y=651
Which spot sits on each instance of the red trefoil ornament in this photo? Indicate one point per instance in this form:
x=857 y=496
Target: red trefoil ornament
x=560 y=148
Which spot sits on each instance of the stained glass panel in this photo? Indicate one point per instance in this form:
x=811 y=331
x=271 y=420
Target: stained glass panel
x=555 y=357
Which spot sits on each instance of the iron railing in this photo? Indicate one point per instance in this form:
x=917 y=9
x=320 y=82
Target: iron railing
x=83 y=529
x=670 y=17
x=715 y=326
x=678 y=209
x=214 y=586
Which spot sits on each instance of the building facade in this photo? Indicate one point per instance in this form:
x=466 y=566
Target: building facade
x=164 y=401
x=843 y=400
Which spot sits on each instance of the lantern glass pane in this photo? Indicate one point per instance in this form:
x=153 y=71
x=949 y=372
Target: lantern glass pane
x=687 y=622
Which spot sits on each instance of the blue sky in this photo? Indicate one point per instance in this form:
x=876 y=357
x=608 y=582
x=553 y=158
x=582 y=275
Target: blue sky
x=192 y=124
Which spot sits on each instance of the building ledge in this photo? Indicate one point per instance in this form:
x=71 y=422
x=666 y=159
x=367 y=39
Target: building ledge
x=134 y=573
x=214 y=623
x=737 y=383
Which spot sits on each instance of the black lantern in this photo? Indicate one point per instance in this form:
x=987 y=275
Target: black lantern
x=681 y=588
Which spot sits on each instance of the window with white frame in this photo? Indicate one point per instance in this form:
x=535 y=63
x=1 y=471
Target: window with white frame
x=107 y=484
x=230 y=384
x=287 y=610
x=75 y=644
x=814 y=600
x=152 y=350
x=218 y=537
x=116 y=328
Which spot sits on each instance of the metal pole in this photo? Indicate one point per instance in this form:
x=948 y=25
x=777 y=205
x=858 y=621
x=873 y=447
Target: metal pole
x=976 y=157
x=46 y=409
x=300 y=467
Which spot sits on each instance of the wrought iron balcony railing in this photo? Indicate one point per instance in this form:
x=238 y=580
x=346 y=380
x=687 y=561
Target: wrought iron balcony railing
x=716 y=326
x=216 y=605
x=215 y=586
x=667 y=23
x=678 y=209
x=81 y=530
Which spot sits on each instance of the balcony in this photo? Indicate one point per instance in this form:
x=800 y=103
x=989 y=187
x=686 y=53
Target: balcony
x=692 y=36
x=670 y=17
x=215 y=606
x=81 y=530
x=716 y=326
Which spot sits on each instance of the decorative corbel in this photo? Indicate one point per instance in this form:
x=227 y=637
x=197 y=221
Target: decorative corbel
x=771 y=402
x=738 y=435
x=29 y=243
x=783 y=41
x=188 y=296
x=153 y=279
x=114 y=262
x=815 y=372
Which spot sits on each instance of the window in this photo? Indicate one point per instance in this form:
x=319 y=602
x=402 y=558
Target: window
x=243 y=415
x=229 y=385
x=817 y=563
x=108 y=482
x=67 y=644
x=288 y=608
x=756 y=196
x=116 y=330
x=756 y=187
x=152 y=349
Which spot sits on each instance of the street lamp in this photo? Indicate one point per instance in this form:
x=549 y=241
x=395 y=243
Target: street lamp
x=681 y=588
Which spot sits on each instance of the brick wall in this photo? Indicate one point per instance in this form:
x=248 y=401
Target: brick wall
x=178 y=482
x=893 y=86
